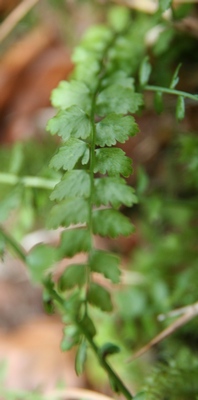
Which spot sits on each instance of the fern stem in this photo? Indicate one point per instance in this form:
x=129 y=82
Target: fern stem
x=91 y=172
x=111 y=373
x=102 y=361
x=92 y=160
x=28 y=181
x=171 y=91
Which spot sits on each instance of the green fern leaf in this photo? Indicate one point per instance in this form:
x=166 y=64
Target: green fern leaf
x=87 y=72
x=99 y=297
x=97 y=38
x=144 y=72
x=180 y=108
x=70 y=211
x=74 y=183
x=141 y=396
x=73 y=275
x=72 y=93
x=71 y=337
x=112 y=161
x=118 y=99
x=111 y=223
x=40 y=259
x=120 y=78
x=106 y=264
x=175 y=78
x=74 y=241
x=82 y=55
x=109 y=349
x=87 y=323
x=48 y=304
x=113 y=191
x=67 y=122
x=88 y=56
x=158 y=102
x=115 y=128
x=164 y=5
x=81 y=358
x=68 y=155
x=87 y=66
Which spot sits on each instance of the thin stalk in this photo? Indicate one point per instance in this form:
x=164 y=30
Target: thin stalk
x=91 y=167
x=13 y=244
x=111 y=373
x=171 y=91
x=92 y=163
x=28 y=181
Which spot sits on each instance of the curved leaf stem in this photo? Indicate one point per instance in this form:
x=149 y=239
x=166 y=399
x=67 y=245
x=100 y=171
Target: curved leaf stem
x=171 y=91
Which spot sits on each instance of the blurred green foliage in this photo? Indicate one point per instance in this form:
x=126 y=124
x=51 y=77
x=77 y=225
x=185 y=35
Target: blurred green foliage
x=28 y=205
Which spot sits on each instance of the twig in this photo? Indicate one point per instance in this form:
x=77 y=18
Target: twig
x=177 y=312
x=192 y=312
x=15 y=16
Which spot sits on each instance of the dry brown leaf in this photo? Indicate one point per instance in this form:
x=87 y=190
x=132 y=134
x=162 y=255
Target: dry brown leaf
x=7 y=5
x=29 y=72
x=20 y=56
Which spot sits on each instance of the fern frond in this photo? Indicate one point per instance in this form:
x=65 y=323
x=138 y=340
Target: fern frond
x=91 y=119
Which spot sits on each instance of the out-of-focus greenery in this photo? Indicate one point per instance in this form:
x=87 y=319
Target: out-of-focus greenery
x=25 y=206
